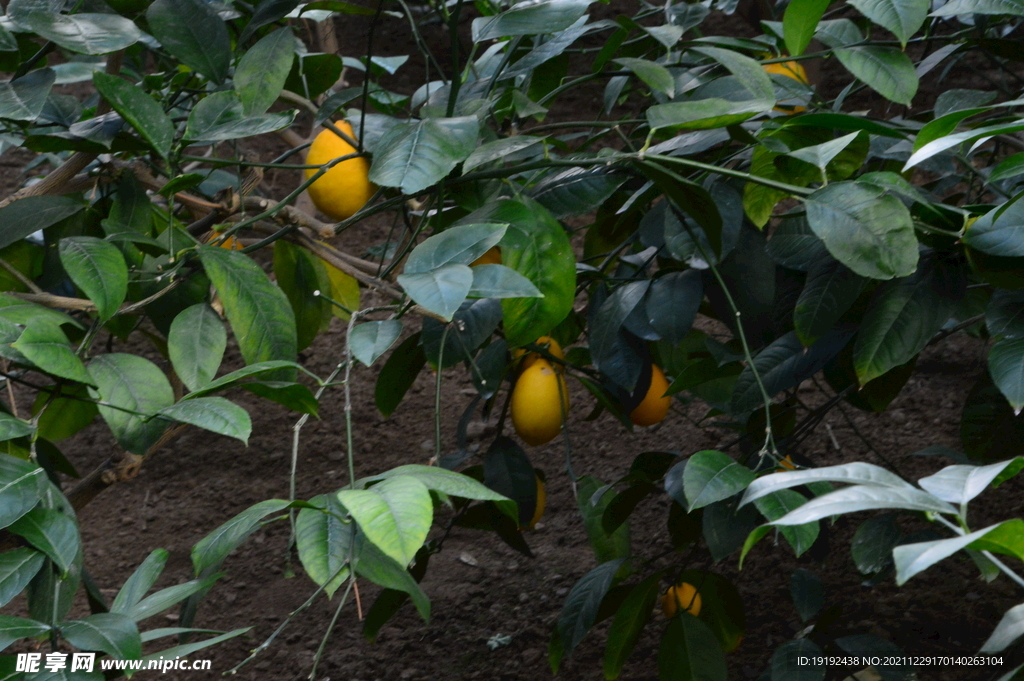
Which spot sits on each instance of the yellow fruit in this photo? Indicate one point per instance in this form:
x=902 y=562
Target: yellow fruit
x=538 y=400
x=547 y=342
x=491 y=257
x=790 y=69
x=345 y=188
x=681 y=596
x=786 y=464
x=538 y=509
x=655 y=404
x=231 y=243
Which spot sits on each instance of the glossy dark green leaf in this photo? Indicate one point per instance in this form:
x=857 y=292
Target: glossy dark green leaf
x=999 y=232
x=302 y=275
x=499 y=281
x=107 y=632
x=873 y=542
x=536 y=246
x=384 y=571
x=312 y=75
x=20 y=218
x=140 y=110
x=259 y=312
x=582 y=603
x=956 y=7
x=831 y=288
x=14 y=628
x=904 y=315
x=294 y=396
x=46 y=346
x=135 y=389
x=546 y=16
x=11 y=427
x=784 y=365
x=508 y=471
x=690 y=198
x=1008 y=168
x=398 y=374
x=196 y=345
x=606 y=320
x=654 y=75
x=98 y=268
x=83 y=33
x=22 y=483
x=262 y=70
x=712 y=476
x=221 y=116
x=865 y=229
x=777 y=505
x=1006 y=366
x=215 y=414
x=630 y=619
x=808 y=593
x=324 y=542
x=607 y=546
x=800 y=22
x=17 y=568
x=202 y=42
x=414 y=156
x=575 y=191
x=442 y=290
x=461 y=244
x=267 y=12
x=902 y=18
x=51 y=532
x=140 y=582
x=689 y=651
x=794 y=245
x=886 y=70
x=23 y=99
x=672 y=303
x=395 y=515
x=725 y=528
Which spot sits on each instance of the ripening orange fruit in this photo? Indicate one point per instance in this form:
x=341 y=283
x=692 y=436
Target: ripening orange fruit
x=682 y=596
x=491 y=257
x=539 y=399
x=547 y=342
x=790 y=69
x=345 y=188
x=786 y=464
x=231 y=243
x=656 y=403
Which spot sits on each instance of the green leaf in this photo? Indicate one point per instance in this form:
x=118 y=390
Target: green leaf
x=13 y=628
x=83 y=33
x=384 y=571
x=17 y=567
x=20 y=218
x=712 y=476
x=498 y=150
x=395 y=515
x=46 y=346
x=11 y=427
x=324 y=542
x=957 y=7
x=592 y=504
x=53 y=533
x=196 y=344
x=98 y=268
x=656 y=76
x=234 y=378
x=800 y=22
x=885 y=70
x=536 y=246
x=867 y=230
x=857 y=473
x=545 y=16
x=22 y=484
x=135 y=389
x=1009 y=629
x=808 y=593
x=911 y=559
x=294 y=396
x=189 y=648
x=831 y=288
x=414 y=156
x=873 y=543
x=904 y=315
x=441 y=290
x=689 y=651
x=574 y=191
x=959 y=484
x=370 y=340
x=629 y=621
x=820 y=155
x=398 y=374
x=902 y=18
x=863 y=498
x=259 y=312
x=937 y=146
x=499 y=281
x=1008 y=168
x=302 y=275
x=140 y=110
x=1006 y=366
x=747 y=71
x=140 y=582
x=267 y=12
x=461 y=244
x=441 y=480
x=172 y=595
x=999 y=231
x=215 y=547
x=262 y=70
x=582 y=603
x=705 y=114
x=108 y=632
x=220 y=116
x=201 y=42
x=23 y=99
x=794 y=661
x=690 y=198
x=778 y=504
x=215 y=414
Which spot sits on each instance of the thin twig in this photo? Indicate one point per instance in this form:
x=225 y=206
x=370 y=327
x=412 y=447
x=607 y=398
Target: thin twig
x=20 y=276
